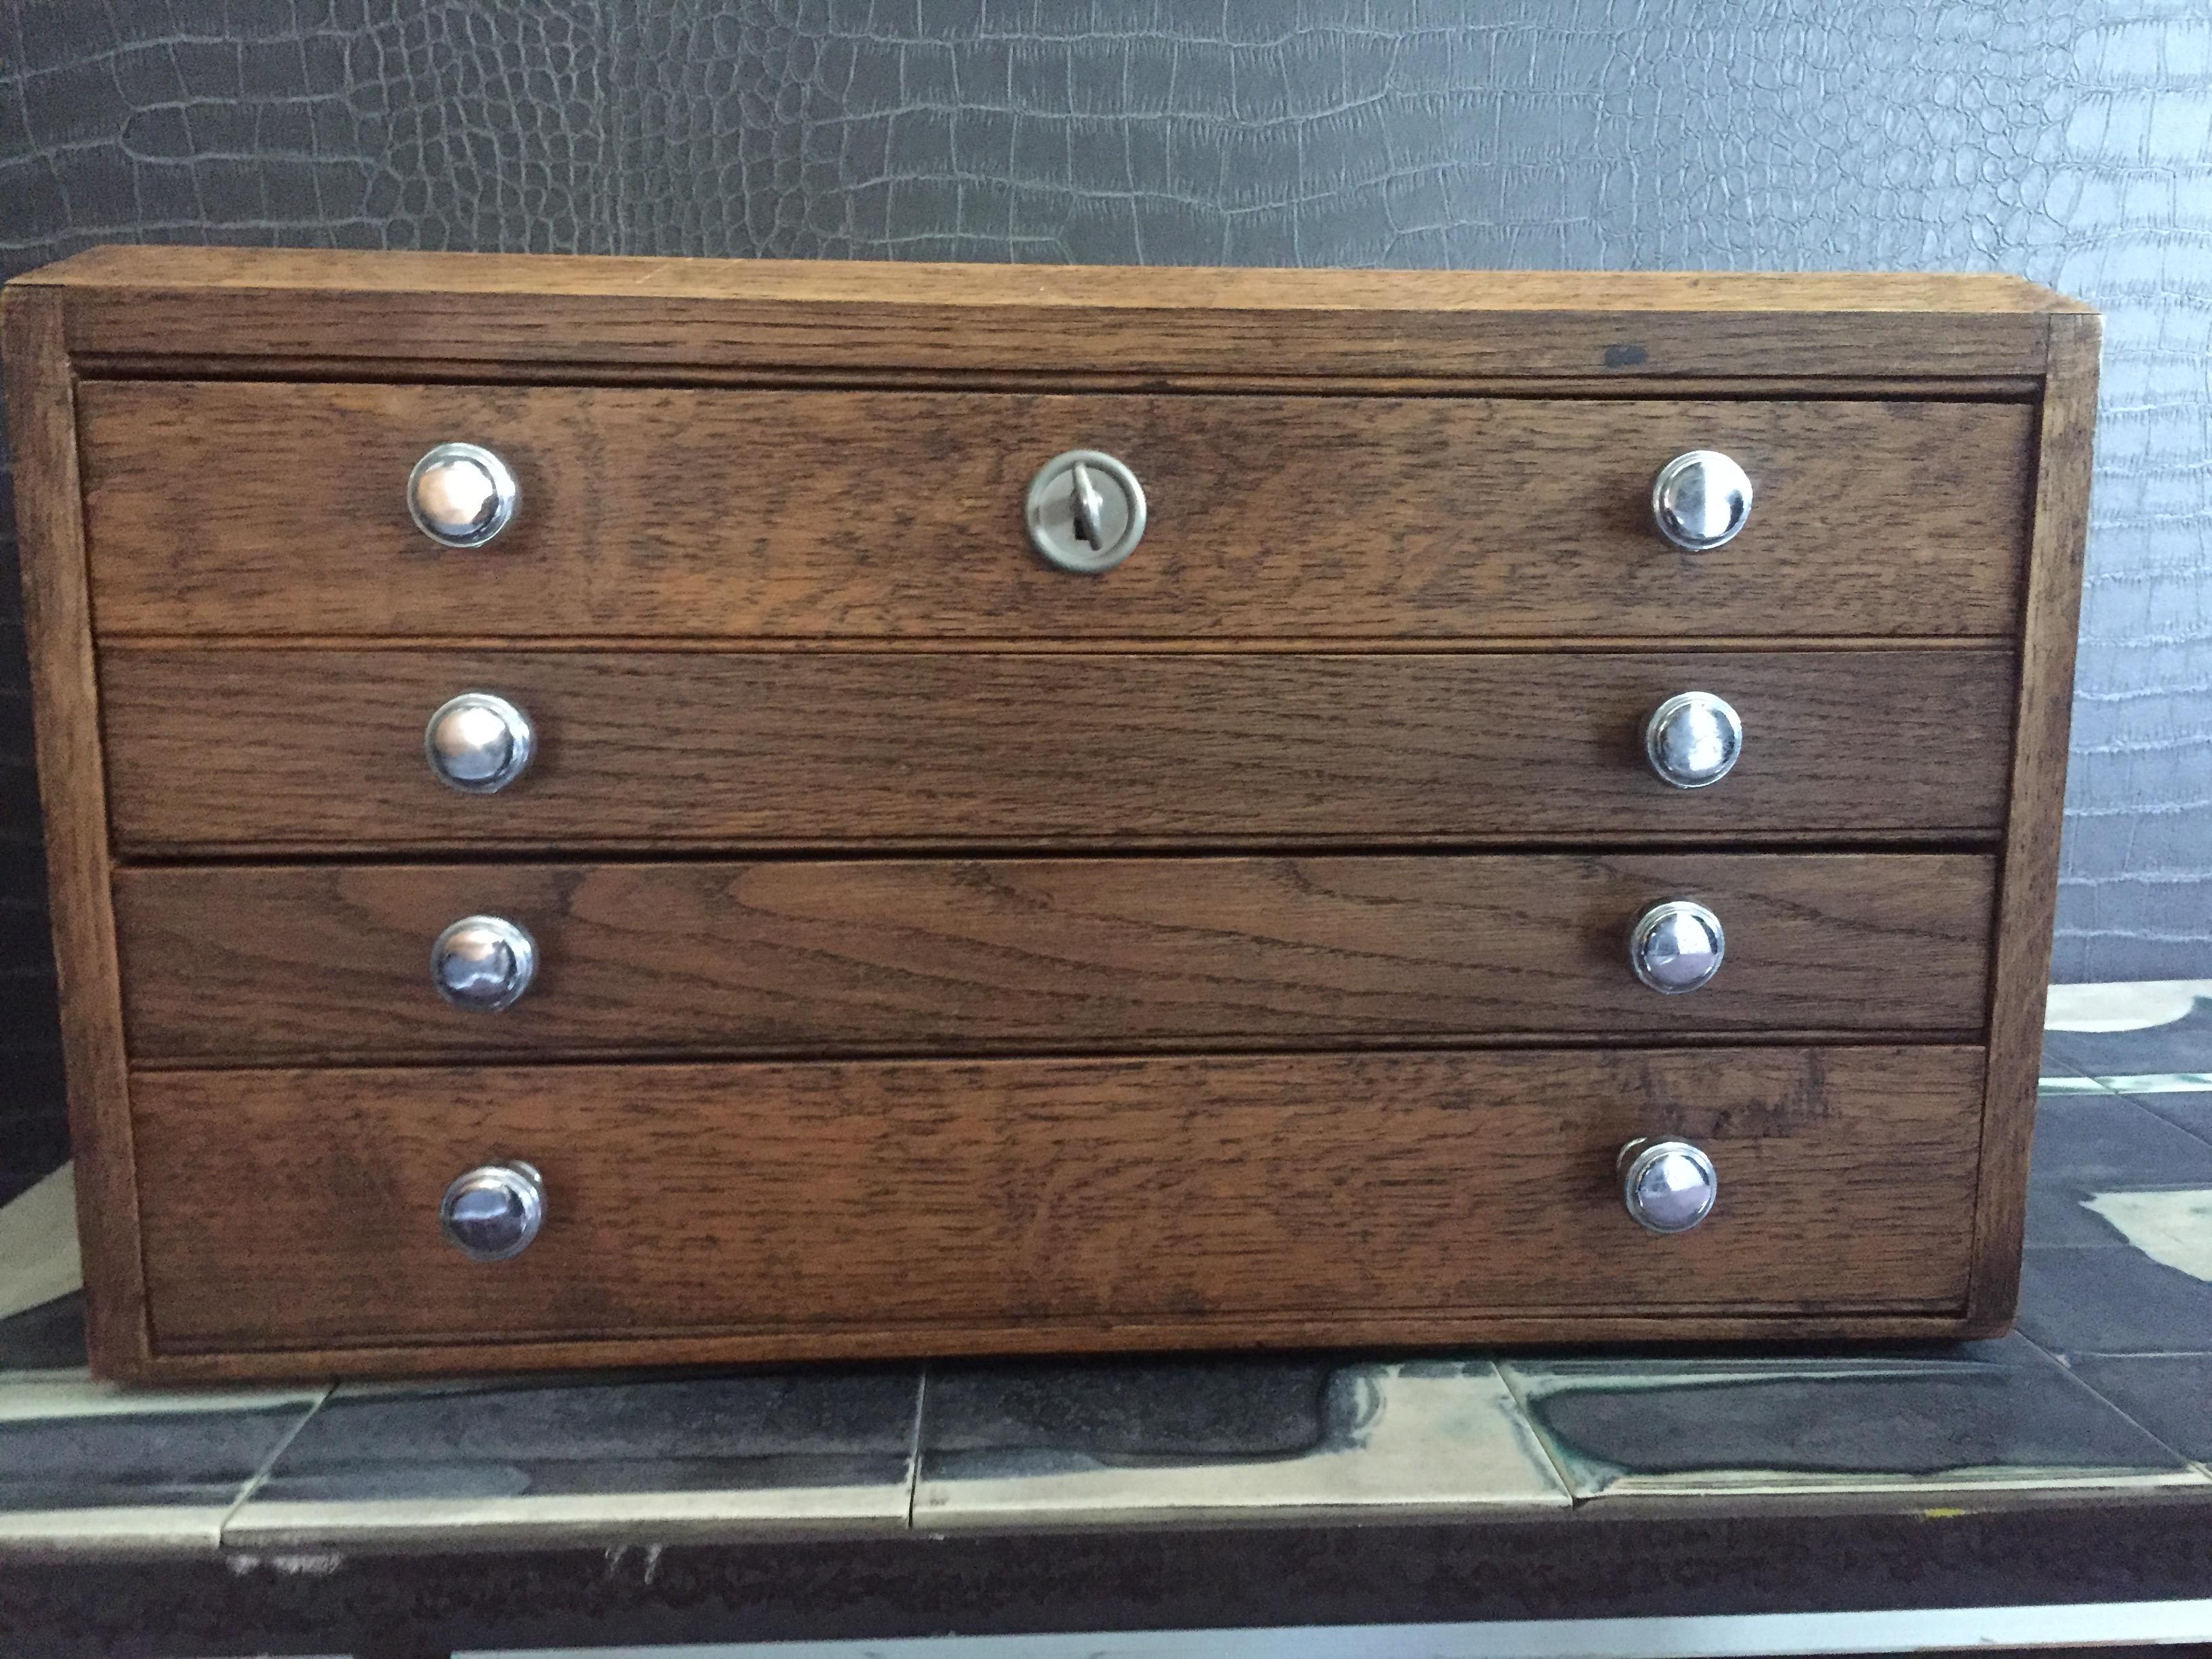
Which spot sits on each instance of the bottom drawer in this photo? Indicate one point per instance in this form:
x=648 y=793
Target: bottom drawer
x=910 y=1207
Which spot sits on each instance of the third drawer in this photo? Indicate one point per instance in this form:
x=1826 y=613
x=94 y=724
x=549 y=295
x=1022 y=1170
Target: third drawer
x=322 y=963
x=322 y=751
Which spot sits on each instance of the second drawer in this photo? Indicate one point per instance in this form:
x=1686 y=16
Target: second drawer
x=279 y=964
x=277 y=751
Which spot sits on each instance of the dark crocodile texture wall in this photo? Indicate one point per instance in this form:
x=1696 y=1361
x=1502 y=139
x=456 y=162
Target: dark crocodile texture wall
x=2066 y=140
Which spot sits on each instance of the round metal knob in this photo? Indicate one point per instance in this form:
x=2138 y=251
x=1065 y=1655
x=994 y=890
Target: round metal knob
x=462 y=495
x=1085 y=512
x=1700 y=500
x=479 y=743
x=1692 y=739
x=1668 y=1186
x=1676 y=947
x=484 y=963
x=493 y=1213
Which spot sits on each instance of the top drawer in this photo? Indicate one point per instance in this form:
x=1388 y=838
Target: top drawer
x=274 y=509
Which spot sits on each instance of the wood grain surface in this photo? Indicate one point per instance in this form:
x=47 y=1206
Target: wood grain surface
x=321 y=750
x=65 y=707
x=310 y=963
x=394 y=309
x=274 y=509
x=896 y=1202
x=2034 y=821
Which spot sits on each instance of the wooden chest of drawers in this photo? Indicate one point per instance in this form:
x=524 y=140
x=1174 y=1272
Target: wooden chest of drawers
x=609 y=811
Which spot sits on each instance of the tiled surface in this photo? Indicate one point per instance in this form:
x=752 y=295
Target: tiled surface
x=1102 y=1443
x=2118 y=1286
x=2095 y=1143
x=616 y=1459
x=2118 y=1279
x=2135 y=1031
x=46 y=1339
x=2088 y=1146
x=90 y=1468
x=2095 y=1300
x=2169 y=1394
x=1982 y=1416
x=38 y=1243
x=2186 y=1108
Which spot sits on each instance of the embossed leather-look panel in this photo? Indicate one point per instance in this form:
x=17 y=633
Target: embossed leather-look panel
x=2069 y=141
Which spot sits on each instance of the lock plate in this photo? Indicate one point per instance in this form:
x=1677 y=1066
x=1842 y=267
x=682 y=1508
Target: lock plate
x=1085 y=512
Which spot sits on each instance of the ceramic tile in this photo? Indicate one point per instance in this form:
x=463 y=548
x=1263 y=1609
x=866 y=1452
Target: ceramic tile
x=2190 y=1110
x=92 y=1467
x=2077 y=1301
x=2088 y=1150
x=657 y=1457
x=2169 y=1394
x=2176 y=1036
x=2171 y=1225
x=1100 y=1443
x=2056 y=1073
x=38 y=1243
x=2122 y=1006
x=2058 y=1215
x=2049 y=1087
x=2094 y=1144
x=44 y=1342
x=1978 y=1417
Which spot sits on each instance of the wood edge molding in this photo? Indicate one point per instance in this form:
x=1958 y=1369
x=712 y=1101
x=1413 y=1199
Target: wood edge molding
x=157 y=1066
x=549 y=310
x=152 y=854
x=1412 y=1331
x=199 y=266
x=886 y=645
x=467 y=372
x=65 y=709
x=2028 y=881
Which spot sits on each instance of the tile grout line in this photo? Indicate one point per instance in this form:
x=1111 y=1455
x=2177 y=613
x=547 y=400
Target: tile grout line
x=2120 y=1411
x=260 y=1476
x=914 y=1445
x=1575 y=1500
x=2202 y=1135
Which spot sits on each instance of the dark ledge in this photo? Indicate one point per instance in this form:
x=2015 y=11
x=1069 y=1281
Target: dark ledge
x=1674 y=1557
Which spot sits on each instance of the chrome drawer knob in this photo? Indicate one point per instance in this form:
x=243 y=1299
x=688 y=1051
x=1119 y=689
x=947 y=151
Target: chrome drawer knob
x=1085 y=512
x=1692 y=739
x=484 y=962
x=1700 y=500
x=1676 y=947
x=462 y=495
x=493 y=1213
x=479 y=743
x=1668 y=1186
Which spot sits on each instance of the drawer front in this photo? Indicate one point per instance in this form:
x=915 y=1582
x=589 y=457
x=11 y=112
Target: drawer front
x=321 y=750
x=277 y=509
x=333 y=961
x=940 y=1201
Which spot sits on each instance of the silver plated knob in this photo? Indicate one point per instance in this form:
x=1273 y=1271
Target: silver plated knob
x=1700 y=500
x=484 y=962
x=1676 y=947
x=1692 y=739
x=462 y=495
x=493 y=1213
x=479 y=743
x=1668 y=1186
x=1085 y=512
